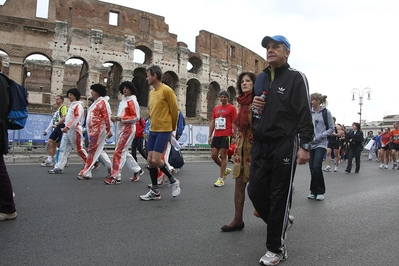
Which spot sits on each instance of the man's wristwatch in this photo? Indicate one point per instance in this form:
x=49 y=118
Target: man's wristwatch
x=306 y=146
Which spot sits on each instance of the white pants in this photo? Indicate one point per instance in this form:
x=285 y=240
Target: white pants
x=95 y=150
x=71 y=140
x=122 y=154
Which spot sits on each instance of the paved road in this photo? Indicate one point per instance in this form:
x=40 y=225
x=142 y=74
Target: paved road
x=64 y=221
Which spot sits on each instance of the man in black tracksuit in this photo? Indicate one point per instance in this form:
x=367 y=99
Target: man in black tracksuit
x=282 y=137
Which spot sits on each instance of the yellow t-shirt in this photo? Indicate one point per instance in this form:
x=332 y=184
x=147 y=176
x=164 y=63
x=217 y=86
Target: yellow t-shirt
x=61 y=112
x=164 y=110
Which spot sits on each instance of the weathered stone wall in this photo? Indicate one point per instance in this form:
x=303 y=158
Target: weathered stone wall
x=80 y=29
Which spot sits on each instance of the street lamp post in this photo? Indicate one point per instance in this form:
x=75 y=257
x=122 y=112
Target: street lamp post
x=361 y=93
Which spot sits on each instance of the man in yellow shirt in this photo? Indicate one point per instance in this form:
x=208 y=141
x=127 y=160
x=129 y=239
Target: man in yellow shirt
x=164 y=113
x=56 y=136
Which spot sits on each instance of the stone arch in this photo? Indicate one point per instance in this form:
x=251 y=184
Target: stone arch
x=196 y=63
x=76 y=74
x=192 y=97
x=139 y=80
x=232 y=94
x=212 y=97
x=147 y=54
x=37 y=72
x=111 y=76
x=170 y=78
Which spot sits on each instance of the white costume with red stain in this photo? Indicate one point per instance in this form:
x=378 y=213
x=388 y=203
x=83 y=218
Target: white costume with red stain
x=129 y=112
x=73 y=139
x=98 y=123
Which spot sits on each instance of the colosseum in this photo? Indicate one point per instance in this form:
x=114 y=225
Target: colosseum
x=81 y=42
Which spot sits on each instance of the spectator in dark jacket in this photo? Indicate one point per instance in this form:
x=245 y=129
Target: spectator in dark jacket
x=7 y=206
x=355 y=141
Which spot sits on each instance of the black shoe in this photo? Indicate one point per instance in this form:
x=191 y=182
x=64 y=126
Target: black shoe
x=226 y=228
x=346 y=170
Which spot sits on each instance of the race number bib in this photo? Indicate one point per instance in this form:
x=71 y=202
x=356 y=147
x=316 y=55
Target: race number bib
x=220 y=123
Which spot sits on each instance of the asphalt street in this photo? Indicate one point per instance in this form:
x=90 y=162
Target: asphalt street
x=66 y=221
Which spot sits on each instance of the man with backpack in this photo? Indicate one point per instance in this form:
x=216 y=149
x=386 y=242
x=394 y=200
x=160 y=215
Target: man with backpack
x=7 y=205
x=55 y=137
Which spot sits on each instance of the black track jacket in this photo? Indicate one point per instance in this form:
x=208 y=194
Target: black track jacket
x=287 y=111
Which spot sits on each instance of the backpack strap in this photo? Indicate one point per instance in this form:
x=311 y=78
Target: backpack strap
x=324 y=114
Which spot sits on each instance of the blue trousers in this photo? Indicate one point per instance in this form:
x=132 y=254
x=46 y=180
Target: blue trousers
x=317 y=185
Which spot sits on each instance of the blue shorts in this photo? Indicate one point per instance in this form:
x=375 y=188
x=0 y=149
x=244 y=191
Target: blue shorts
x=157 y=141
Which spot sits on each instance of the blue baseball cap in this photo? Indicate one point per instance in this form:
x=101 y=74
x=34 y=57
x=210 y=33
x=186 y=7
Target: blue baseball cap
x=277 y=39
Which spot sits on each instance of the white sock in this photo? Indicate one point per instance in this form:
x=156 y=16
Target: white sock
x=49 y=158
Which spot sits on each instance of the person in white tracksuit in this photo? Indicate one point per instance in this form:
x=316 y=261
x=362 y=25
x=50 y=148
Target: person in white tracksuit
x=128 y=114
x=98 y=129
x=73 y=136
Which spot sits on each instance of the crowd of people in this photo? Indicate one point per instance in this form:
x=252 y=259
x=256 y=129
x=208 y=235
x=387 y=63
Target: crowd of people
x=345 y=145
x=87 y=134
x=291 y=127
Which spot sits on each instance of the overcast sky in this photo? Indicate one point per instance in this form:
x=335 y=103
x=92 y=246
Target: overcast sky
x=339 y=45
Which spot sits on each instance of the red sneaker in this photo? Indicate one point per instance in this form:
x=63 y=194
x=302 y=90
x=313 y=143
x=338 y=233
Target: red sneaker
x=112 y=181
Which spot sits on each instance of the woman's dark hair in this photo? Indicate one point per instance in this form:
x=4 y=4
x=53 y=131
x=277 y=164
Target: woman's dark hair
x=251 y=75
x=99 y=88
x=357 y=125
x=155 y=70
x=75 y=92
x=129 y=85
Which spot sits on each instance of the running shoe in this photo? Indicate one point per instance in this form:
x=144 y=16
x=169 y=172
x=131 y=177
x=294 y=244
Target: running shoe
x=55 y=171
x=226 y=173
x=320 y=197
x=112 y=181
x=151 y=195
x=47 y=163
x=7 y=216
x=137 y=175
x=175 y=188
x=219 y=182
x=271 y=258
